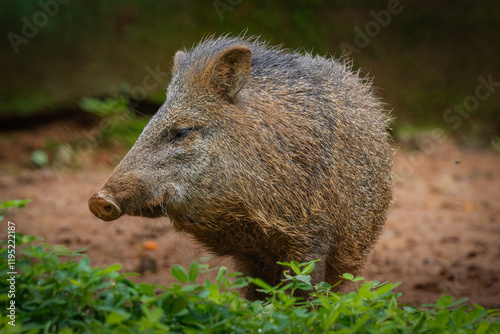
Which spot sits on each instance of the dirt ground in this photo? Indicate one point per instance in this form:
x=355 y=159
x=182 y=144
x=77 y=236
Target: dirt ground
x=442 y=235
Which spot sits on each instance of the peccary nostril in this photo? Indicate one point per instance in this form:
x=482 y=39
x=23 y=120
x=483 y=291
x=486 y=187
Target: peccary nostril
x=103 y=207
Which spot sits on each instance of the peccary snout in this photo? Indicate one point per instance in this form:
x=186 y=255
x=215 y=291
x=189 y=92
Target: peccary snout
x=103 y=207
x=129 y=193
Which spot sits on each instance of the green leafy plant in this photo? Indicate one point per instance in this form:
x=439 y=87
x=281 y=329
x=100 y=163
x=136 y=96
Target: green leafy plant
x=56 y=290
x=10 y=204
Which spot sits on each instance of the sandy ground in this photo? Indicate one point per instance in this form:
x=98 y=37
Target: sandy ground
x=442 y=235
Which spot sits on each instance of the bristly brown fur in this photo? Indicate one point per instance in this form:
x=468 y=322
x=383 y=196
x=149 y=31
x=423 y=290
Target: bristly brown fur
x=287 y=158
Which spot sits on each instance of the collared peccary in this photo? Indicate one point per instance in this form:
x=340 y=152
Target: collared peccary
x=263 y=155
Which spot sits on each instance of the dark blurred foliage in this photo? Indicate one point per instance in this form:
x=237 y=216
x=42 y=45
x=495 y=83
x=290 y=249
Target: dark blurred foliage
x=427 y=58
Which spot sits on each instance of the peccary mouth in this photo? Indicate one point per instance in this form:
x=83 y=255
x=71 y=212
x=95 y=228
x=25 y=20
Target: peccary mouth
x=107 y=207
x=151 y=210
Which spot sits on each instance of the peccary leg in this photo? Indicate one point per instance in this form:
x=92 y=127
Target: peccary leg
x=335 y=268
x=272 y=274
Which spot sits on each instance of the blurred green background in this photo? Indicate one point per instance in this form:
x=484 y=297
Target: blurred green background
x=427 y=58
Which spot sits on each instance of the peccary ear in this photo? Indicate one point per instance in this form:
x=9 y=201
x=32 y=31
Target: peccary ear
x=230 y=70
x=179 y=58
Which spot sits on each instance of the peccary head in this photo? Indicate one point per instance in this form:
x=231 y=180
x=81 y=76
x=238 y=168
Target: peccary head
x=174 y=168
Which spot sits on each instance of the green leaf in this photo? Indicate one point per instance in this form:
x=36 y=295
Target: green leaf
x=444 y=301
x=261 y=284
x=393 y=304
x=304 y=278
x=384 y=289
x=75 y=282
x=483 y=327
x=458 y=316
x=286 y=264
x=295 y=267
x=14 y=203
x=153 y=315
x=359 y=323
x=458 y=302
x=309 y=268
x=114 y=267
x=410 y=309
x=147 y=289
x=214 y=291
x=221 y=275
x=286 y=287
x=324 y=285
x=193 y=271
x=420 y=323
x=117 y=317
x=84 y=264
x=471 y=316
x=364 y=291
x=479 y=307
x=179 y=273
x=442 y=317
x=348 y=276
x=179 y=303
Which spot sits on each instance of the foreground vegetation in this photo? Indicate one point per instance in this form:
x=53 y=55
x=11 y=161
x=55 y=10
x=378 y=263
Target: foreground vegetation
x=56 y=290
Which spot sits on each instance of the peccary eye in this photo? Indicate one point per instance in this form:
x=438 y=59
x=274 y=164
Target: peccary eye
x=182 y=132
